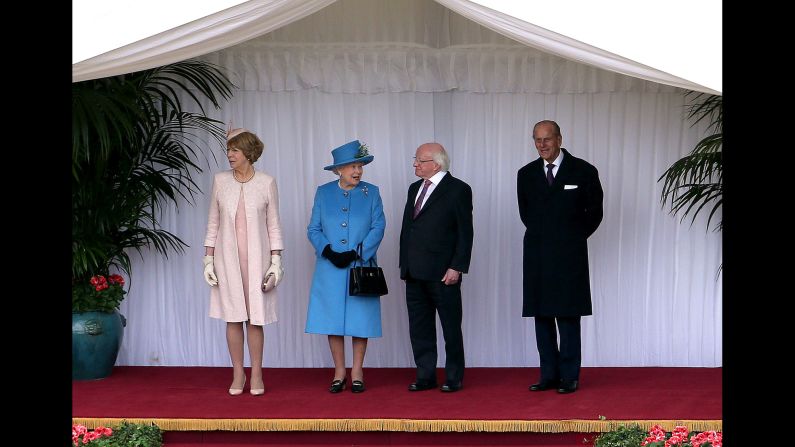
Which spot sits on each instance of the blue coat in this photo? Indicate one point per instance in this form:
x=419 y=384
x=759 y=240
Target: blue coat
x=344 y=219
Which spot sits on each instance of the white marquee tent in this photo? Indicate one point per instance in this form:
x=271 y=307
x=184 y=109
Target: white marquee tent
x=674 y=51
x=396 y=73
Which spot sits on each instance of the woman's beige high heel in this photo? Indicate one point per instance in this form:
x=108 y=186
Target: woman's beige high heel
x=237 y=391
x=257 y=391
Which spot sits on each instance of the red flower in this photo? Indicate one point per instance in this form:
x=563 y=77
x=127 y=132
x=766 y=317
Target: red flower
x=88 y=436
x=714 y=438
x=679 y=437
x=116 y=279
x=101 y=293
x=656 y=433
x=77 y=432
x=99 y=282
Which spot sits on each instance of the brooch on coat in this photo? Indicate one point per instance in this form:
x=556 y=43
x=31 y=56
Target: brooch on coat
x=364 y=190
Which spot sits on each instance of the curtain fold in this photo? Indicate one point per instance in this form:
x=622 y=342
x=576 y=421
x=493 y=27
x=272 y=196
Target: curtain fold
x=378 y=68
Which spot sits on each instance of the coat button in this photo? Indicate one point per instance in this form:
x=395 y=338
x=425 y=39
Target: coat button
x=344 y=241
x=344 y=224
x=345 y=194
x=344 y=209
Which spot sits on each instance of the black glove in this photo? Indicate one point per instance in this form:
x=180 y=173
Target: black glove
x=348 y=257
x=340 y=260
x=328 y=252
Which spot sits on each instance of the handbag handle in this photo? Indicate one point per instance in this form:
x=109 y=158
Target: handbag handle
x=359 y=256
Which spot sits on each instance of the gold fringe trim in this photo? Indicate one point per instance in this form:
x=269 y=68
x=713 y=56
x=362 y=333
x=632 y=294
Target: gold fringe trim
x=400 y=425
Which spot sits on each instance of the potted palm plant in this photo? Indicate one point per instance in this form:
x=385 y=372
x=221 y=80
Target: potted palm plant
x=134 y=149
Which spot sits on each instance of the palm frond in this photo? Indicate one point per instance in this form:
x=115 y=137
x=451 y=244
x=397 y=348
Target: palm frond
x=104 y=117
x=710 y=108
x=695 y=182
x=134 y=153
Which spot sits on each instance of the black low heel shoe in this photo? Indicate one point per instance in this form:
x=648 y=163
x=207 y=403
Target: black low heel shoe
x=337 y=386
x=357 y=386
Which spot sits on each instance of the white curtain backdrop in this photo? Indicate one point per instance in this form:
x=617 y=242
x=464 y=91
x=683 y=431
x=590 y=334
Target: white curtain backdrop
x=358 y=70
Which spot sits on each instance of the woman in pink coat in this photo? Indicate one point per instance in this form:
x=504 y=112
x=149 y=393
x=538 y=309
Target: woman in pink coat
x=242 y=262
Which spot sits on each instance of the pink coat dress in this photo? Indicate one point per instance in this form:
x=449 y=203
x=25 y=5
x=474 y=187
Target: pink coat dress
x=247 y=213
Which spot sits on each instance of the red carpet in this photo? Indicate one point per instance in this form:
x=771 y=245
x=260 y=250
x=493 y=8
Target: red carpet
x=493 y=400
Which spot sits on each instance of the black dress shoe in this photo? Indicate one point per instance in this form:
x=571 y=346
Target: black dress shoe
x=337 y=386
x=450 y=387
x=357 y=386
x=567 y=386
x=422 y=386
x=545 y=385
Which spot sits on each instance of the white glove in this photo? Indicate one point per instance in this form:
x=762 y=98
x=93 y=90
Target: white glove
x=209 y=271
x=275 y=269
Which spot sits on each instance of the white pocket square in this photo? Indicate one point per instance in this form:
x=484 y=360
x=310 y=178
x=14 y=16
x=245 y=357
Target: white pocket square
x=569 y=186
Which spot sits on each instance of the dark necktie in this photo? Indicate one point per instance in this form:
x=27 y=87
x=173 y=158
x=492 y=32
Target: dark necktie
x=550 y=177
x=418 y=205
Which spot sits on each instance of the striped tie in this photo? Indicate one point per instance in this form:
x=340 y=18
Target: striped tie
x=418 y=205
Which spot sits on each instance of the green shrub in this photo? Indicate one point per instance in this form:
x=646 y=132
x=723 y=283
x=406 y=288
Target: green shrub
x=623 y=436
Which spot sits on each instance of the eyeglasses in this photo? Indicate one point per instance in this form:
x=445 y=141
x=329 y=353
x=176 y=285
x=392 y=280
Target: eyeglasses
x=419 y=161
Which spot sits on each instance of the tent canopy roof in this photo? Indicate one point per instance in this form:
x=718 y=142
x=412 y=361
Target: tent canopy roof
x=106 y=49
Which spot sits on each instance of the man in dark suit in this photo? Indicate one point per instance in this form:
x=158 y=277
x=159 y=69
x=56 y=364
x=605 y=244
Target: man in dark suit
x=435 y=248
x=560 y=203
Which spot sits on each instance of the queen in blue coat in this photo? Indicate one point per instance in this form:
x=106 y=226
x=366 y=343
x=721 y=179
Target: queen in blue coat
x=346 y=212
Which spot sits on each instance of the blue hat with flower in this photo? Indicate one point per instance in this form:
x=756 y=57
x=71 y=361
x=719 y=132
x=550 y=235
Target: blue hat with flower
x=353 y=152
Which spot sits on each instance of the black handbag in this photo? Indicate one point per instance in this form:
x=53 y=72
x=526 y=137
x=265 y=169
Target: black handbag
x=366 y=280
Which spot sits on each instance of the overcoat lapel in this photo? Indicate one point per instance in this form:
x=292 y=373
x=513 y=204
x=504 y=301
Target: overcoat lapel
x=564 y=173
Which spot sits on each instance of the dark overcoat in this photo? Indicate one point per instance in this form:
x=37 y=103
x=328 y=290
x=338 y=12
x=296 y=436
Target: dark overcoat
x=558 y=220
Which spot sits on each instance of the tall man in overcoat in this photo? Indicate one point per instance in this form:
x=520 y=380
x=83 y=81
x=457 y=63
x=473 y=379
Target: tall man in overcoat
x=435 y=249
x=560 y=204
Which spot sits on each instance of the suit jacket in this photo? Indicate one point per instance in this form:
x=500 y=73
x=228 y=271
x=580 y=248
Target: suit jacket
x=441 y=235
x=558 y=221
